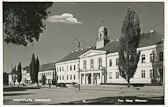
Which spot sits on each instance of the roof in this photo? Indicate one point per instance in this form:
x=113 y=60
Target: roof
x=149 y=39
x=111 y=47
x=48 y=66
x=146 y=39
x=74 y=55
x=27 y=68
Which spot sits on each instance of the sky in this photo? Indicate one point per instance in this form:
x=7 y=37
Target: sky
x=77 y=20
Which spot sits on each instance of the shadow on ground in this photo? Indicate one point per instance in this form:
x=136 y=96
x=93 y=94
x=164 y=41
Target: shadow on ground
x=5 y=89
x=16 y=94
x=114 y=101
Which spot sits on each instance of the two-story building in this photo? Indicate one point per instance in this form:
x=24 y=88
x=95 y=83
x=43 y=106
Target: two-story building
x=99 y=64
x=48 y=70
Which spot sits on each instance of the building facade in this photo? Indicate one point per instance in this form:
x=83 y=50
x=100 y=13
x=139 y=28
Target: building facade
x=26 y=75
x=99 y=64
x=48 y=70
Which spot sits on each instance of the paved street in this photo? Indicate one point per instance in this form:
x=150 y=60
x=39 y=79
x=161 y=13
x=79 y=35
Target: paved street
x=89 y=94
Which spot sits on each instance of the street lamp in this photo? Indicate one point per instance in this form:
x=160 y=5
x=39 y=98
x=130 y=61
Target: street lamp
x=79 y=46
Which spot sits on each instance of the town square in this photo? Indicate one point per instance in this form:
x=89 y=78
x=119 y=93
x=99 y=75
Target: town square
x=83 y=53
x=95 y=95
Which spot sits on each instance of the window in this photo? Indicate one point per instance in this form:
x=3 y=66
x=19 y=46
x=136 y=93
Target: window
x=151 y=57
x=151 y=74
x=117 y=75
x=143 y=73
x=67 y=77
x=67 y=68
x=143 y=58
x=57 y=77
x=57 y=68
x=100 y=63
x=74 y=77
x=100 y=36
x=110 y=75
x=74 y=67
x=53 y=74
x=71 y=68
x=110 y=62
x=117 y=62
x=161 y=56
x=84 y=65
x=91 y=64
x=62 y=68
x=62 y=77
x=70 y=77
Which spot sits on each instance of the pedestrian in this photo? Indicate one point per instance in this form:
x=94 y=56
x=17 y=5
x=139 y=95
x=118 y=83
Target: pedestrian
x=49 y=84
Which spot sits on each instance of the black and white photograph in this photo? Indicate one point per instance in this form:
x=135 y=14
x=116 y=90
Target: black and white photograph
x=83 y=53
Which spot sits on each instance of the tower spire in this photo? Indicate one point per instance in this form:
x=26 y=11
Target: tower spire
x=102 y=38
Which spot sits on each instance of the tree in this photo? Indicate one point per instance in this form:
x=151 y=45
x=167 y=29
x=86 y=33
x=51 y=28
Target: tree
x=14 y=75
x=19 y=73
x=14 y=70
x=32 y=68
x=128 y=55
x=36 y=70
x=23 y=21
x=5 y=78
x=43 y=79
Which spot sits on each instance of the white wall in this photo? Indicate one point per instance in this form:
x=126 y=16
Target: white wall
x=147 y=66
x=62 y=75
x=96 y=54
x=48 y=74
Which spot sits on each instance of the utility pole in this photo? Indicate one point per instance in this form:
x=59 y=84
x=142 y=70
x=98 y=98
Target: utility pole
x=79 y=46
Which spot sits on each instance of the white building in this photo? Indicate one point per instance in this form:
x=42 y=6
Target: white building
x=26 y=75
x=100 y=64
x=48 y=70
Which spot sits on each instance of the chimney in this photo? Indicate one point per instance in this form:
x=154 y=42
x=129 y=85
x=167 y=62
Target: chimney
x=82 y=48
x=117 y=39
x=76 y=50
x=72 y=51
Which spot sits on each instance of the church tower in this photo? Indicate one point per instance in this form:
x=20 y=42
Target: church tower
x=102 y=38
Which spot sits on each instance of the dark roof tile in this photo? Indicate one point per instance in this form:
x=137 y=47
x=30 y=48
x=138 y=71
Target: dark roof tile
x=48 y=66
x=147 y=39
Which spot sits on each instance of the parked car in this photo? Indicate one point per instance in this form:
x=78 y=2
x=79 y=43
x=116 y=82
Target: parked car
x=61 y=85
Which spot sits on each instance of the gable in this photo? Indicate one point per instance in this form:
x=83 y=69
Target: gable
x=91 y=53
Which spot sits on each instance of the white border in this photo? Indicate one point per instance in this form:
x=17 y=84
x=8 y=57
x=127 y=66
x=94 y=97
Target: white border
x=165 y=45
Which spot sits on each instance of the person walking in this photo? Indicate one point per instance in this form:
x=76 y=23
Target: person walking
x=49 y=83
